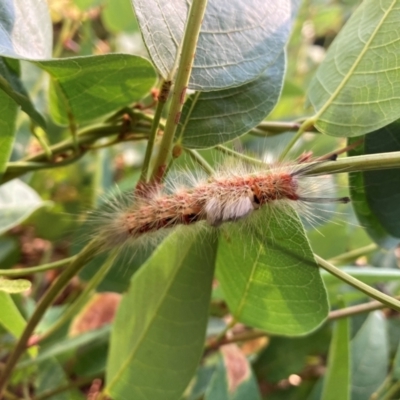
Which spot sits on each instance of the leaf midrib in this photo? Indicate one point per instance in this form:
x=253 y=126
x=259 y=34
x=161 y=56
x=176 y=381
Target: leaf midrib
x=146 y=330
x=356 y=63
x=248 y=284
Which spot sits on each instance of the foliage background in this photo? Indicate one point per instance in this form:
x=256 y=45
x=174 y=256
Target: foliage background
x=42 y=214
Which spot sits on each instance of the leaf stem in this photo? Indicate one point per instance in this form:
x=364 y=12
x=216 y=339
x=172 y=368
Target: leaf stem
x=368 y=290
x=233 y=153
x=276 y=127
x=77 y=264
x=85 y=139
x=162 y=99
x=353 y=254
x=72 y=310
x=191 y=35
x=392 y=391
x=305 y=126
x=367 y=162
x=358 y=309
x=196 y=157
x=33 y=270
x=221 y=337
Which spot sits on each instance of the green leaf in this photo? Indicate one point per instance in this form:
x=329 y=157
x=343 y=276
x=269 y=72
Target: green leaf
x=118 y=16
x=355 y=89
x=269 y=281
x=369 y=357
x=238 y=40
x=12 y=86
x=9 y=251
x=376 y=194
x=68 y=345
x=89 y=87
x=202 y=379
x=14 y=285
x=25 y=29
x=396 y=364
x=17 y=202
x=211 y=118
x=159 y=330
x=8 y=112
x=233 y=378
x=85 y=4
x=50 y=376
x=10 y=317
x=337 y=376
x=285 y=356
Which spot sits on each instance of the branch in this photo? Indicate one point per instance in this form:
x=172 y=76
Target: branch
x=191 y=35
x=79 y=261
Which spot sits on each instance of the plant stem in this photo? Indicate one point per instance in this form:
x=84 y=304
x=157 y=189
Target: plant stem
x=33 y=270
x=389 y=301
x=358 y=309
x=378 y=392
x=162 y=99
x=333 y=315
x=191 y=35
x=220 y=338
x=58 y=285
x=305 y=126
x=392 y=391
x=366 y=162
x=278 y=127
x=241 y=337
x=353 y=254
x=83 y=297
x=85 y=138
x=233 y=153
x=196 y=157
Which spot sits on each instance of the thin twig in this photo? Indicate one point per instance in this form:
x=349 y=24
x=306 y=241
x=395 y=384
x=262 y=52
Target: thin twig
x=79 y=261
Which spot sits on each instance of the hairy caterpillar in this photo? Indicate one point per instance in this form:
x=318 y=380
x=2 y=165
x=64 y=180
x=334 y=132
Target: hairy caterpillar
x=232 y=194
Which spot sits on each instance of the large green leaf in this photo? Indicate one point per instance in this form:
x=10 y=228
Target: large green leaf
x=376 y=194
x=8 y=112
x=17 y=202
x=269 y=277
x=25 y=29
x=89 y=87
x=233 y=378
x=238 y=39
x=158 y=334
x=210 y=118
x=369 y=357
x=337 y=377
x=356 y=89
